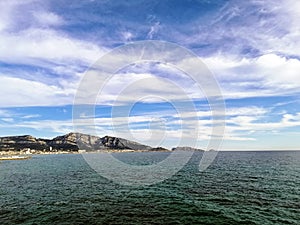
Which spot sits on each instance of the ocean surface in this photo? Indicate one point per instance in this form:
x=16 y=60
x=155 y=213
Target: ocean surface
x=238 y=188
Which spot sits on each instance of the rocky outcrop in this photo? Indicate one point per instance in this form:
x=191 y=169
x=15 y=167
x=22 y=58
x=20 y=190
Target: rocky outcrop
x=17 y=143
x=74 y=142
x=160 y=149
x=68 y=142
x=185 y=148
x=120 y=143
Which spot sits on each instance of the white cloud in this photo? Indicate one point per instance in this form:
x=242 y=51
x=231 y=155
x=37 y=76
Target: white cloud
x=131 y=87
x=17 y=92
x=56 y=126
x=5 y=113
x=6 y=116
x=127 y=36
x=33 y=46
x=246 y=111
x=288 y=18
x=28 y=36
x=245 y=29
x=48 y=18
x=8 y=120
x=279 y=71
x=31 y=116
x=251 y=123
x=266 y=75
x=153 y=29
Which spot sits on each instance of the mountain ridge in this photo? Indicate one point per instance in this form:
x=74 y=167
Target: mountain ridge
x=71 y=142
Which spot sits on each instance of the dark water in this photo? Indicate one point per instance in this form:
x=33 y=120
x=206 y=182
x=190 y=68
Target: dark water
x=238 y=188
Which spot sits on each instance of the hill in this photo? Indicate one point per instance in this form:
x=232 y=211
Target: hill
x=70 y=142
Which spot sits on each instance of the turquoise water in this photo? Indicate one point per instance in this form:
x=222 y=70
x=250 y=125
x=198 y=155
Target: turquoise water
x=238 y=188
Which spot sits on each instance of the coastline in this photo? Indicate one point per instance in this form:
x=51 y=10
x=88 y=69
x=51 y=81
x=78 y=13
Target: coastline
x=15 y=157
x=18 y=153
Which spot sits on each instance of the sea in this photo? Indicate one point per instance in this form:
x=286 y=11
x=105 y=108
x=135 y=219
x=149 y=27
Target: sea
x=240 y=187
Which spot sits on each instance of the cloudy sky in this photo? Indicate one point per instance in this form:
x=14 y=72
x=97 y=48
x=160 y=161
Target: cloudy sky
x=251 y=47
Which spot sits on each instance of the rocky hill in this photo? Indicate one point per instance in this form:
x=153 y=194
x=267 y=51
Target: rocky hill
x=186 y=148
x=69 y=142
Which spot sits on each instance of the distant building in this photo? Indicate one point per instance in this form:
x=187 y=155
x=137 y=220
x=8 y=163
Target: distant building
x=27 y=151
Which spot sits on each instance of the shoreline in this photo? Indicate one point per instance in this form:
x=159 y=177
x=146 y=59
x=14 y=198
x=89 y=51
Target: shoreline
x=17 y=153
x=15 y=157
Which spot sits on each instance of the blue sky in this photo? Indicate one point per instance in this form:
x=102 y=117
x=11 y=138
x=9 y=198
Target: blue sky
x=252 y=48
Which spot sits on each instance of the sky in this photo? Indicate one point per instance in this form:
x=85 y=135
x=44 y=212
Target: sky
x=252 y=49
